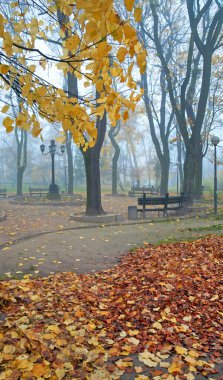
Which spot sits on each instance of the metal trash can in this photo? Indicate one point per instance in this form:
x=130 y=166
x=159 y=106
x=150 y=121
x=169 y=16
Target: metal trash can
x=132 y=212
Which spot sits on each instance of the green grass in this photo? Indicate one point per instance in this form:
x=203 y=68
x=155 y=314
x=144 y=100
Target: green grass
x=215 y=227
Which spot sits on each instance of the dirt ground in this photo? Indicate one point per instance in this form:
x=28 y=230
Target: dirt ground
x=41 y=239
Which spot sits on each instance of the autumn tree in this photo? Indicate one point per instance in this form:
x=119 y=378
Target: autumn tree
x=158 y=110
x=84 y=55
x=189 y=103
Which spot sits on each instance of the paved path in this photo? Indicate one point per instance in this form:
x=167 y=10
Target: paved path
x=88 y=249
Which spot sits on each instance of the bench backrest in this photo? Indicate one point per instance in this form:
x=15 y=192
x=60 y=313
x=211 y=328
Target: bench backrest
x=151 y=200
x=3 y=190
x=165 y=200
x=144 y=189
x=38 y=189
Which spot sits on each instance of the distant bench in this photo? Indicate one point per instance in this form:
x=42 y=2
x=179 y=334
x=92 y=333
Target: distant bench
x=3 y=192
x=38 y=191
x=136 y=190
x=167 y=203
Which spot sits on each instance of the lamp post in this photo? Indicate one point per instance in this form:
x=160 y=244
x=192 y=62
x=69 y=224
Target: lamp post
x=65 y=177
x=215 y=141
x=53 y=188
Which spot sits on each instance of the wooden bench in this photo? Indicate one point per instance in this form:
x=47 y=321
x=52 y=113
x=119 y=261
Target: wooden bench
x=3 y=192
x=135 y=190
x=166 y=203
x=38 y=191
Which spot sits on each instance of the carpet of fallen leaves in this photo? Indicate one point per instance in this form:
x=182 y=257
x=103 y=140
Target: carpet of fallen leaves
x=156 y=315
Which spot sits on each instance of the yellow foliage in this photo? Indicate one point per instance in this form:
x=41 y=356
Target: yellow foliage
x=4 y=69
x=7 y=43
x=129 y=5
x=85 y=54
x=5 y=109
x=121 y=54
x=7 y=122
x=138 y=14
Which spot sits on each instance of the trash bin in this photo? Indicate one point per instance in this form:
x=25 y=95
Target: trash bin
x=132 y=212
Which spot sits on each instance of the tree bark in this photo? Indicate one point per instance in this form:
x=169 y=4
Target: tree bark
x=198 y=172
x=92 y=169
x=189 y=170
x=165 y=167
x=21 y=158
x=70 y=166
x=112 y=133
x=20 y=172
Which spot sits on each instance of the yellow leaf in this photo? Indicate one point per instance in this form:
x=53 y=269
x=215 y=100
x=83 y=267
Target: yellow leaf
x=125 y=115
x=175 y=367
x=5 y=109
x=7 y=122
x=103 y=49
x=26 y=89
x=40 y=369
x=121 y=54
x=9 y=349
x=193 y=353
x=141 y=61
x=32 y=68
x=133 y=341
x=60 y=372
x=72 y=42
x=100 y=85
x=149 y=359
x=190 y=376
x=7 y=43
x=181 y=350
x=187 y=318
x=54 y=329
x=123 y=364
x=157 y=325
x=93 y=341
x=133 y=332
x=4 y=69
x=129 y=31
x=138 y=14
x=91 y=326
x=190 y=360
x=24 y=364
x=129 y=5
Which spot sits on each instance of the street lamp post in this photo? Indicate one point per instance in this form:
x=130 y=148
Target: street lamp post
x=65 y=178
x=215 y=141
x=53 y=188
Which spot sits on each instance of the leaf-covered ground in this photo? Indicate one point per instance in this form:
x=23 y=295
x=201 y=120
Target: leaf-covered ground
x=157 y=315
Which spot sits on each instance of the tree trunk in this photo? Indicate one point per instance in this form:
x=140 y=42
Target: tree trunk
x=189 y=171
x=198 y=172
x=114 y=162
x=21 y=157
x=164 y=177
x=20 y=172
x=70 y=167
x=92 y=169
x=179 y=160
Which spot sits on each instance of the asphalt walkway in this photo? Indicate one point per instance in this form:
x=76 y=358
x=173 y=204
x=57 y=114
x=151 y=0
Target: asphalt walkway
x=86 y=248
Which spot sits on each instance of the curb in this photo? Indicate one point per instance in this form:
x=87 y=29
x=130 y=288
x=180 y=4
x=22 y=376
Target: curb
x=104 y=218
